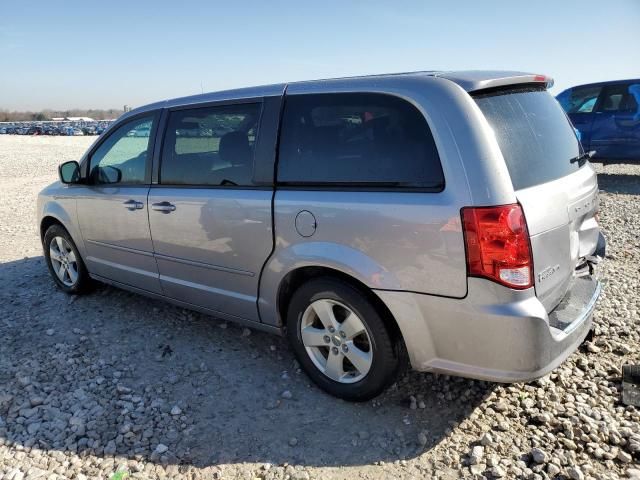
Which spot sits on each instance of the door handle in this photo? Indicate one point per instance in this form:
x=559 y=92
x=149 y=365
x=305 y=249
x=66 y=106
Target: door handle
x=133 y=205
x=164 y=207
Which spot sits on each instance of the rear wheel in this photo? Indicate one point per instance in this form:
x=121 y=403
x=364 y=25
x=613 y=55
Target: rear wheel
x=340 y=340
x=64 y=261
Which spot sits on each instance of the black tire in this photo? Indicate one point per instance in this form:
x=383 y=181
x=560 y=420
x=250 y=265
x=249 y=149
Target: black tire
x=83 y=282
x=387 y=359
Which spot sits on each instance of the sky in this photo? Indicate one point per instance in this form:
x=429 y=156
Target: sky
x=84 y=54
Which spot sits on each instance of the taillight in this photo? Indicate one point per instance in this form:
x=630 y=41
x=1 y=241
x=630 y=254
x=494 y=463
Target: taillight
x=497 y=244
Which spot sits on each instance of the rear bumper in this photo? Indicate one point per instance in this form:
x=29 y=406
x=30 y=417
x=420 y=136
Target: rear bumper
x=493 y=333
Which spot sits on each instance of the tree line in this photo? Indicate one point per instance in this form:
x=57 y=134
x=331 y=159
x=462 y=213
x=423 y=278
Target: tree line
x=43 y=115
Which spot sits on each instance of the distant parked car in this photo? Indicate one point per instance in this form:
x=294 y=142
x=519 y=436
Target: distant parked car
x=142 y=132
x=36 y=130
x=607 y=115
x=77 y=132
x=3 y=130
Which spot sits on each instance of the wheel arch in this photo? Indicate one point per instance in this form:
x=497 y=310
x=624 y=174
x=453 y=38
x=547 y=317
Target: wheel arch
x=298 y=276
x=336 y=259
x=47 y=222
x=55 y=214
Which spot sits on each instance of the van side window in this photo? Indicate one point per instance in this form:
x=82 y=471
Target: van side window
x=210 y=146
x=122 y=157
x=357 y=139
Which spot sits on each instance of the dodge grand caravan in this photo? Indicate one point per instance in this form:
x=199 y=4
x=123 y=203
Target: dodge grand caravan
x=448 y=219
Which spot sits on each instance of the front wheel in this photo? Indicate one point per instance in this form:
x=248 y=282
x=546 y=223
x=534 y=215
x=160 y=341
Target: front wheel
x=341 y=341
x=64 y=261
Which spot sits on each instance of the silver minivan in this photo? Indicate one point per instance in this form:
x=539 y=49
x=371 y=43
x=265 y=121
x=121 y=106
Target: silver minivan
x=446 y=219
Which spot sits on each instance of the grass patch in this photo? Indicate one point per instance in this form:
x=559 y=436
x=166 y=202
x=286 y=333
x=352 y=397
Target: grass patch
x=119 y=476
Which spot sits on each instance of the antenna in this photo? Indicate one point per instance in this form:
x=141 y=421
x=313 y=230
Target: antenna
x=201 y=88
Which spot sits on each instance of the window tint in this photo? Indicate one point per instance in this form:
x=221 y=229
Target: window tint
x=210 y=146
x=535 y=137
x=611 y=102
x=633 y=100
x=629 y=104
x=122 y=157
x=620 y=98
x=356 y=139
x=580 y=99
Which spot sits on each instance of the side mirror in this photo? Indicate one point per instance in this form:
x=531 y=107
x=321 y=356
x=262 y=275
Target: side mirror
x=69 y=172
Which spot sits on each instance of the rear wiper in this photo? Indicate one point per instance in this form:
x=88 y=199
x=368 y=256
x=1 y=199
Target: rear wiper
x=583 y=156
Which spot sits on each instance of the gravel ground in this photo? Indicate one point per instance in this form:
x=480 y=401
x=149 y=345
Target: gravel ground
x=115 y=382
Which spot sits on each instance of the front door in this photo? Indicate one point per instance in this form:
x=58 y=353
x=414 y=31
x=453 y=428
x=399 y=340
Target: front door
x=616 y=127
x=210 y=222
x=113 y=212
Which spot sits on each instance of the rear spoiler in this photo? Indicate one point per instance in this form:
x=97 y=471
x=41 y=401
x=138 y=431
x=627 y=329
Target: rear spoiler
x=474 y=81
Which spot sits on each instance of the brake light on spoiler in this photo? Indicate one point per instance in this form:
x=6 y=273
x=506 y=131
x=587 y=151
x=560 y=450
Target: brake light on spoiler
x=548 y=81
x=497 y=245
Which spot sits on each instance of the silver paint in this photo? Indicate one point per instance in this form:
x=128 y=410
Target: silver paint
x=210 y=250
x=227 y=251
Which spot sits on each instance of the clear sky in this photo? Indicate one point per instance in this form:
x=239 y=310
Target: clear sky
x=85 y=54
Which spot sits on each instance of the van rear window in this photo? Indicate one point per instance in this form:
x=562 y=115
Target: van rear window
x=536 y=138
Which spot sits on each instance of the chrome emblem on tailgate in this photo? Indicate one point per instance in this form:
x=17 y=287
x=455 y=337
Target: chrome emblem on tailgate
x=583 y=206
x=547 y=272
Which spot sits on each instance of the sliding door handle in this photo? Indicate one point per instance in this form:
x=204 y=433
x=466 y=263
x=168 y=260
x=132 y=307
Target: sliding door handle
x=164 y=207
x=133 y=205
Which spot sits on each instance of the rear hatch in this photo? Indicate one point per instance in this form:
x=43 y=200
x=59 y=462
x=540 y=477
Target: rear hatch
x=559 y=194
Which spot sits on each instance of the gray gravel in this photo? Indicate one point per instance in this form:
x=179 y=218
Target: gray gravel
x=116 y=382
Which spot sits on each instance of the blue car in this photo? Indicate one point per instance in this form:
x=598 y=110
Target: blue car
x=607 y=117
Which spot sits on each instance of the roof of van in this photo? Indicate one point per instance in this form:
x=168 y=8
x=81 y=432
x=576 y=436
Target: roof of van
x=470 y=80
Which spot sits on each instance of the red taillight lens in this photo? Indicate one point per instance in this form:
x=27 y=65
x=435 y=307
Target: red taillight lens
x=498 y=247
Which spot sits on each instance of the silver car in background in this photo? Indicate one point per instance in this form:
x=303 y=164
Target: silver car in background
x=448 y=219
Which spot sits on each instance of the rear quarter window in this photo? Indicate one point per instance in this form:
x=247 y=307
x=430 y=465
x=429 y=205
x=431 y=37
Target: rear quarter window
x=534 y=134
x=357 y=139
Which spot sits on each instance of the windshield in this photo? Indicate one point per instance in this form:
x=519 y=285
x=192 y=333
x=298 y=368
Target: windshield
x=533 y=132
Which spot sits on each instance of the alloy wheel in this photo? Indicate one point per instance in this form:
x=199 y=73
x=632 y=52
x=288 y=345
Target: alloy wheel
x=336 y=340
x=63 y=261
